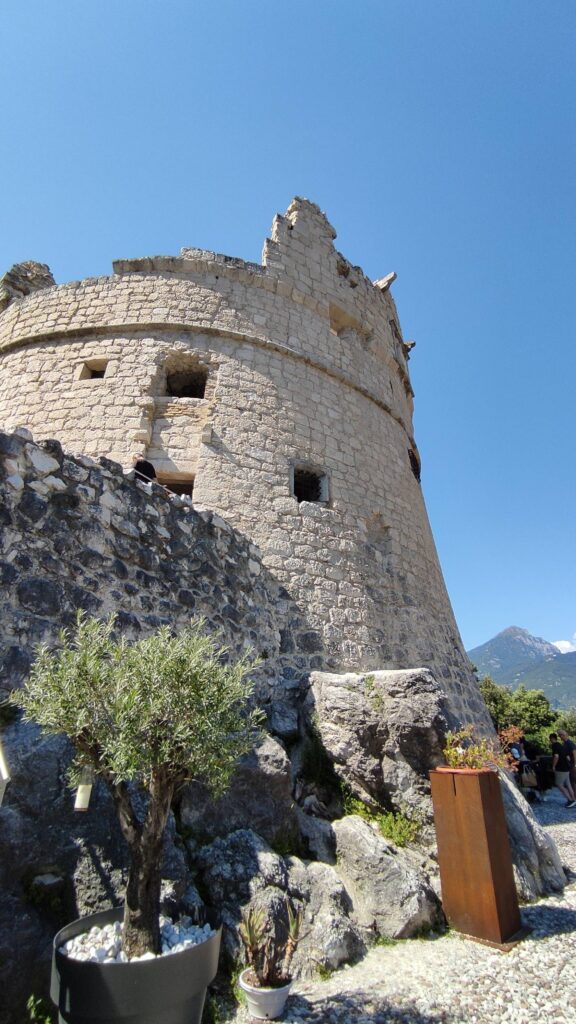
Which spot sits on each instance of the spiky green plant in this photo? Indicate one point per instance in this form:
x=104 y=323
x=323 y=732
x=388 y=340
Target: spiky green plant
x=270 y=946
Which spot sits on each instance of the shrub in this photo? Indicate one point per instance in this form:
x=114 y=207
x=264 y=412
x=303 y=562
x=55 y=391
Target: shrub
x=155 y=714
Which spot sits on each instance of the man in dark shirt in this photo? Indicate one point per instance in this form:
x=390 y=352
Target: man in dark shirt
x=143 y=469
x=561 y=767
x=569 y=748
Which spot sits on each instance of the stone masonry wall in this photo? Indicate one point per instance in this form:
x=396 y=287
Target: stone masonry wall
x=306 y=368
x=79 y=534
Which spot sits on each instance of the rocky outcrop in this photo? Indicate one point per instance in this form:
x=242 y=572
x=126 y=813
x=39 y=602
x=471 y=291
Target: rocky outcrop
x=390 y=896
x=383 y=731
x=537 y=865
x=372 y=890
x=259 y=798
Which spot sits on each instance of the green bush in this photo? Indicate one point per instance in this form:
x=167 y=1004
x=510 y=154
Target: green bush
x=400 y=830
x=393 y=825
x=40 y=1011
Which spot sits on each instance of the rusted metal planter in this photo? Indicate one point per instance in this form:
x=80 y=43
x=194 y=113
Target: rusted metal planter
x=478 y=891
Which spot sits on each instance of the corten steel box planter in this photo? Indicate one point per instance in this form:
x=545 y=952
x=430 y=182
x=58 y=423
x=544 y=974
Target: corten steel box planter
x=166 y=990
x=478 y=891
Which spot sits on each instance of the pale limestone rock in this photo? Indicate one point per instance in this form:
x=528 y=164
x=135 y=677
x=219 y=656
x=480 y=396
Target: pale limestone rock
x=389 y=897
x=43 y=464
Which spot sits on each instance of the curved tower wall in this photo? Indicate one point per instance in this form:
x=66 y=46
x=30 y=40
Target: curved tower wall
x=306 y=373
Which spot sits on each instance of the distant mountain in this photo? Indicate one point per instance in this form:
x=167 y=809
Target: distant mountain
x=514 y=657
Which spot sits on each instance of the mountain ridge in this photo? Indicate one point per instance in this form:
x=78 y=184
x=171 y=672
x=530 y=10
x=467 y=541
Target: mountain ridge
x=514 y=657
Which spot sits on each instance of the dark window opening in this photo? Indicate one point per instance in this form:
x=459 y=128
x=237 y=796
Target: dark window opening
x=187 y=383
x=178 y=484
x=310 y=485
x=94 y=369
x=414 y=463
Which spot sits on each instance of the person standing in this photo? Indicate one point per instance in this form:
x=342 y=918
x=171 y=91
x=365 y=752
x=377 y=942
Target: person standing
x=561 y=769
x=143 y=469
x=569 y=748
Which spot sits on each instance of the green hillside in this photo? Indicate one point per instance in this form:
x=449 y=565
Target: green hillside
x=514 y=657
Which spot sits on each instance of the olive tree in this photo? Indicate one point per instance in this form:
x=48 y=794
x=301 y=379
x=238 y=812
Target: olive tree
x=154 y=715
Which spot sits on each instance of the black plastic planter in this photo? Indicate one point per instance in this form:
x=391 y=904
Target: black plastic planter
x=167 y=990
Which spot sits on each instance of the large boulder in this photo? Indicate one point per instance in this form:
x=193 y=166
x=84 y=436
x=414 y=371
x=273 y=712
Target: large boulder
x=330 y=936
x=537 y=865
x=383 y=731
x=259 y=798
x=390 y=897
x=240 y=871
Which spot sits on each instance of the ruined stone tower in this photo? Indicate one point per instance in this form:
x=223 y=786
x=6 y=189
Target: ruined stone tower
x=280 y=392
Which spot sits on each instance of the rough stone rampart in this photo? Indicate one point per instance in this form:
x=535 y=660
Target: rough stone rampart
x=79 y=534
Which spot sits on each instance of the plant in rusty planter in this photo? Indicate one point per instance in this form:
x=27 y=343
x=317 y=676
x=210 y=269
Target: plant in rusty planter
x=269 y=945
x=478 y=891
x=145 y=718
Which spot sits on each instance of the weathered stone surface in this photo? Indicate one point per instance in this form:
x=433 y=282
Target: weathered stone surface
x=23 y=279
x=241 y=871
x=538 y=868
x=389 y=896
x=96 y=540
x=330 y=937
x=383 y=731
x=233 y=870
x=260 y=798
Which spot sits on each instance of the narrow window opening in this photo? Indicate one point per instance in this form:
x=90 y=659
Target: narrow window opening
x=178 y=484
x=189 y=383
x=414 y=463
x=309 y=485
x=93 y=369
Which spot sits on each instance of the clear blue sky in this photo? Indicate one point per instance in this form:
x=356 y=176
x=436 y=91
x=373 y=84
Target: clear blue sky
x=439 y=137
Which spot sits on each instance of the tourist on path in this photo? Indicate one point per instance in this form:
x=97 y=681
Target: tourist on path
x=569 y=747
x=561 y=768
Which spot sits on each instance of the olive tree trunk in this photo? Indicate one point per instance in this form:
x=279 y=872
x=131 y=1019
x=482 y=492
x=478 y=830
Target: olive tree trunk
x=141 y=928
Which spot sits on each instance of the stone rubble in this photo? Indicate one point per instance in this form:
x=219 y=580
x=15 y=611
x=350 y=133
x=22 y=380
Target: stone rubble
x=104 y=945
x=453 y=980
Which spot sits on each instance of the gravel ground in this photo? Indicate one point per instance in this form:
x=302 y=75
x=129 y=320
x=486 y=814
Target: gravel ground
x=457 y=981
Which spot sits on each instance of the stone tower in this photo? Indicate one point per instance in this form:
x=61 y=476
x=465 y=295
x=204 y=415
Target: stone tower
x=280 y=392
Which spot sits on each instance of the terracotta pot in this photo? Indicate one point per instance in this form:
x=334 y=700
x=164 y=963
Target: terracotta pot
x=264 y=1003
x=167 y=990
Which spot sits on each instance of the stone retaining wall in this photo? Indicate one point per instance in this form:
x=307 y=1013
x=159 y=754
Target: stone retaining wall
x=76 y=533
